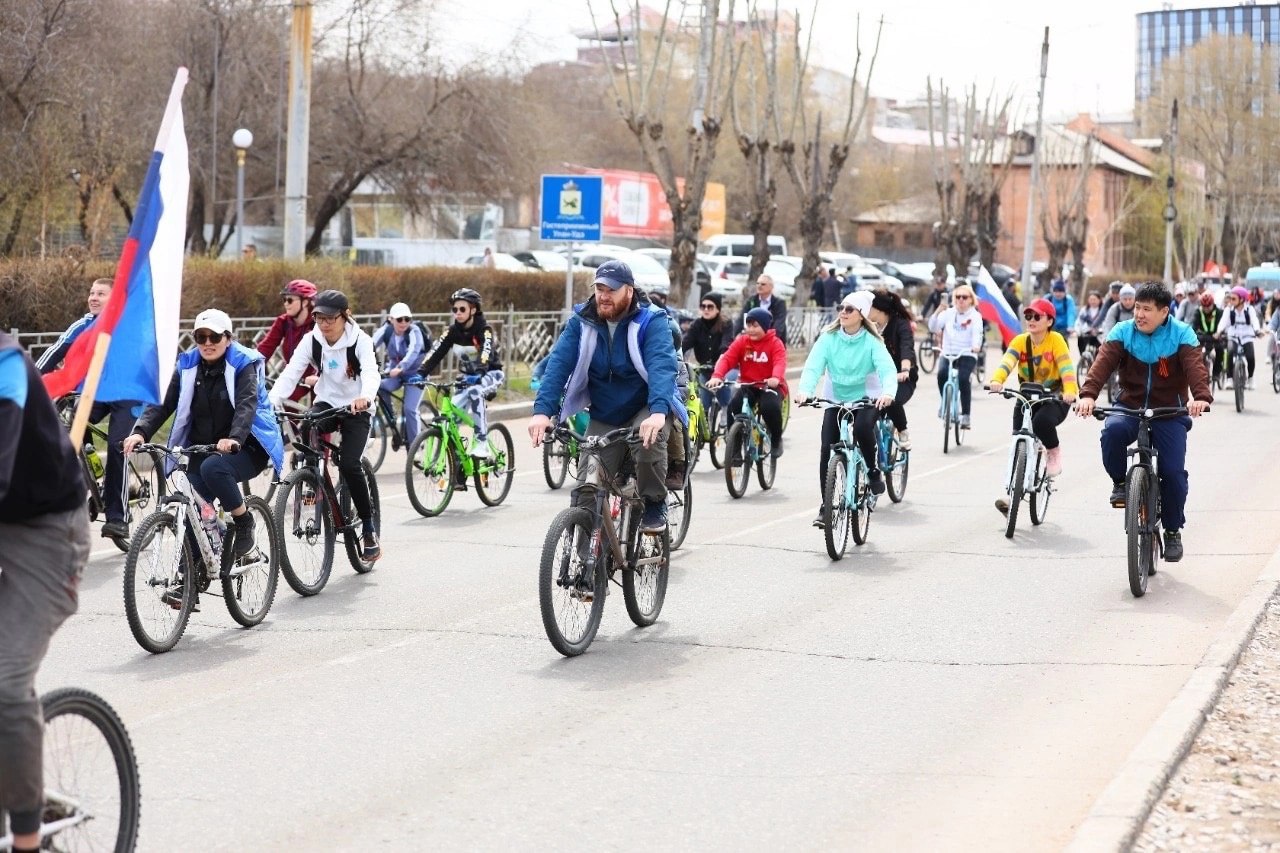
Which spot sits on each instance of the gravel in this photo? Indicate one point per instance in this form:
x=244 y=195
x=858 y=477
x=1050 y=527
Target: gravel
x=1226 y=793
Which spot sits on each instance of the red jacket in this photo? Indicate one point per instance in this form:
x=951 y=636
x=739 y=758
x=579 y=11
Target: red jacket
x=756 y=360
x=285 y=334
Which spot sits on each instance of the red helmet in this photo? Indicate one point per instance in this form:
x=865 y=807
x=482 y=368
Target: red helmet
x=1206 y=299
x=300 y=287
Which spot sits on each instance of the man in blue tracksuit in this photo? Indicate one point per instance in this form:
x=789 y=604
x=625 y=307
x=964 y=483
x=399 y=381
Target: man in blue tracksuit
x=615 y=361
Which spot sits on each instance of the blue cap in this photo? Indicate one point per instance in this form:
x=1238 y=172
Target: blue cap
x=614 y=274
x=1060 y=285
x=761 y=317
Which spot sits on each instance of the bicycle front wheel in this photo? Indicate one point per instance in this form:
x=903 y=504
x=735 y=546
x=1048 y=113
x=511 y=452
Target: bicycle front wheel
x=644 y=584
x=766 y=465
x=90 y=773
x=304 y=527
x=570 y=597
x=1275 y=374
x=1039 y=498
x=352 y=535
x=863 y=501
x=493 y=476
x=555 y=462
x=375 y=449
x=1140 y=528
x=948 y=394
x=1015 y=492
x=715 y=436
x=896 y=476
x=679 y=513
x=737 y=467
x=145 y=486
x=159 y=587
x=927 y=357
x=429 y=472
x=1239 y=377
x=249 y=584
x=835 y=509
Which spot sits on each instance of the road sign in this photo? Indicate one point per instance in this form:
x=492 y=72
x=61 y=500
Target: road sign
x=571 y=207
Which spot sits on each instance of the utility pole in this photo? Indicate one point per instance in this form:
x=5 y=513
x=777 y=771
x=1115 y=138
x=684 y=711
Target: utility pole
x=1029 y=242
x=295 y=169
x=1171 y=208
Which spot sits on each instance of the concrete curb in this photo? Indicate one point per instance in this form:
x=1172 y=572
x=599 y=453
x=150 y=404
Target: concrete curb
x=1122 y=809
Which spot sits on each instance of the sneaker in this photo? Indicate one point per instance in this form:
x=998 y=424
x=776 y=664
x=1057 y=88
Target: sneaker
x=654 y=519
x=1053 y=462
x=1002 y=505
x=1117 y=495
x=877 y=482
x=115 y=530
x=372 y=549
x=1172 y=546
x=821 y=521
x=479 y=447
x=244 y=538
x=904 y=440
x=776 y=448
x=964 y=422
x=675 y=477
x=1249 y=384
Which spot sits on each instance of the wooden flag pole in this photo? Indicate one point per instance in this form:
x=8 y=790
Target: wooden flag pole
x=90 y=392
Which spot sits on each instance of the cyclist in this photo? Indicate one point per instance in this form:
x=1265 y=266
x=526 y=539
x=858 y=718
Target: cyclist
x=1113 y=296
x=1040 y=355
x=1159 y=365
x=962 y=339
x=1195 y=290
x=219 y=396
x=1204 y=322
x=759 y=356
x=1121 y=310
x=472 y=338
x=1089 y=323
x=406 y=348
x=1064 y=306
x=44 y=525
x=1271 y=307
x=937 y=299
x=121 y=412
x=348 y=377
x=848 y=351
x=894 y=320
x=707 y=339
x=613 y=361
x=290 y=327
x=1239 y=324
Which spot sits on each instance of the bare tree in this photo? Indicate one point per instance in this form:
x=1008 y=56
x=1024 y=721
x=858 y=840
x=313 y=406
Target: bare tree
x=1064 y=212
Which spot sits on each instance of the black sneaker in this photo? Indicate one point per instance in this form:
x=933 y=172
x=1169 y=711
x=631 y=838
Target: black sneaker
x=776 y=449
x=115 y=530
x=1172 y=546
x=877 y=481
x=675 y=477
x=821 y=521
x=1117 y=495
x=654 y=519
x=244 y=539
x=1002 y=505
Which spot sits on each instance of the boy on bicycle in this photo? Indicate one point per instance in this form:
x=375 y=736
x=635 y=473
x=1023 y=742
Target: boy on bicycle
x=760 y=357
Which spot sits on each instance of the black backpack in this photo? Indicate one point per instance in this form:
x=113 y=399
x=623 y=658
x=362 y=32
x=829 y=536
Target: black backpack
x=353 y=361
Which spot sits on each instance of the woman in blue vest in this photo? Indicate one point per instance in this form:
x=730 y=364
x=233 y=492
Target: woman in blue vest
x=219 y=396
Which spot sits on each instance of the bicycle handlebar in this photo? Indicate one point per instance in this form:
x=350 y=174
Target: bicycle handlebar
x=631 y=435
x=853 y=406
x=343 y=411
x=1101 y=412
x=175 y=452
x=1016 y=394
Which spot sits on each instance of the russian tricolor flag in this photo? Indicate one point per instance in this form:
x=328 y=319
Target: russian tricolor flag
x=140 y=321
x=993 y=307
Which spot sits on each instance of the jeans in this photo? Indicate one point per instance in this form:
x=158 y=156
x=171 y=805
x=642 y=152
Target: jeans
x=864 y=433
x=1044 y=421
x=412 y=397
x=354 y=429
x=898 y=412
x=219 y=475
x=123 y=413
x=964 y=368
x=1169 y=438
x=650 y=462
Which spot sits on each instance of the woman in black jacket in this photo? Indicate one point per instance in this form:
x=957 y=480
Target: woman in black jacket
x=894 y=320
x=708 y=337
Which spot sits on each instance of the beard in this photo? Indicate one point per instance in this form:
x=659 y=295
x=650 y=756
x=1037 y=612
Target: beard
x=621 y=303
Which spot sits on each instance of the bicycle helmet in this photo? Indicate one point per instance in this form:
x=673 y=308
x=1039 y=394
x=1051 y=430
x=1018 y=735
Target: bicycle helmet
x=466 y=294
x=1240 y=292
x=300 y=287
x=1206 y=299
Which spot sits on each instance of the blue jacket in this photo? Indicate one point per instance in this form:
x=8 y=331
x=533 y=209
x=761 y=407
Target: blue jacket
x=593 y=371
x=264 y=428
x=1065 y=309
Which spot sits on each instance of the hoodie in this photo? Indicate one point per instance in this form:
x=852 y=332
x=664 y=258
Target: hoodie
x=336 y=386
x=755 y=360
x=848 y=360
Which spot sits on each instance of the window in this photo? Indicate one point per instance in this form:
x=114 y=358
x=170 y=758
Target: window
x=884 y=237
x=364 y=220
x=913 y=238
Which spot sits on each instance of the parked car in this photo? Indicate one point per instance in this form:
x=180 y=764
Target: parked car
x=545 y=260
x=741 y=245
x=729 y=275
x=701 y=272
x=923 y=272
x=893 y=270
x=649 y=274
x=501 y=261
x=1002 y=273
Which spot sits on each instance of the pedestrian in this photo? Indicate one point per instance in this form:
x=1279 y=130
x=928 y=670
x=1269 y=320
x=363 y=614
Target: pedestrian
x=832 y=292
x=489 y=261
x=775 y=305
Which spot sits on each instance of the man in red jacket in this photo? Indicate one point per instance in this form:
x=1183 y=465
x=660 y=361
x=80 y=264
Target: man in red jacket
x=761 y=359
x=290 y=327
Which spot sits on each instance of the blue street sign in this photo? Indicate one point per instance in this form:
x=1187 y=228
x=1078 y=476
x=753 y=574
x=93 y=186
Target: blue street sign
x=572 y=207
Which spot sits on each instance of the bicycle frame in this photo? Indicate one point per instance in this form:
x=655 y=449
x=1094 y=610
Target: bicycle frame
x=1025 y=436
x=884 y=441
x=755 y=424
x=77 y=816
x=318 y=458
x=451 y=417
x=192 y=503
x=847 y=447
x=953 y=382
x=607 y=487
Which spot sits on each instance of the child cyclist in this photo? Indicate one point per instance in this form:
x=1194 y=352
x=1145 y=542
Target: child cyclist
x=471 y=337
x=760 y=357
x=1039 y=355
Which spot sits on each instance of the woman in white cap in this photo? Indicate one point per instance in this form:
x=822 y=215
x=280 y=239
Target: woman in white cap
x=406 y=348
x=218 y=396
x=962 y=341
x=849 y=351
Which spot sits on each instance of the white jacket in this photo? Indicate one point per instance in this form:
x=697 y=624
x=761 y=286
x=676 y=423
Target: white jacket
x=961 y=332
x=335 y=387
x=1240 y=323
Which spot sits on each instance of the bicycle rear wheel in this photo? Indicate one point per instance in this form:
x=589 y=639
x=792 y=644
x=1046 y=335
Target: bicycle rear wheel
x=896 y=476
x=927 y=357
x=145 y=485
x=375 y=449
x=737 y=475
x=493 y=476
x=835 y=511
x=159 y=587
x=644 y=584
x=1044 y=488
x=351 y=537
x=1140 y=530
x=555 y=462
x=766 y=465
x=948 y=393
x=571 y=600
x=1016 y=493
x=1113 y=389
x=1083 y=365
x=90 y=773
x=957 y=430
x=679 y=513
x=304 y=526
x=863 y=501
x=249 y=584
x=430 y=472
x=716 y=436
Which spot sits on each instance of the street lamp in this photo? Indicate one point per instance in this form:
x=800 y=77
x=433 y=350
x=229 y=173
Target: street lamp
x=241 y=139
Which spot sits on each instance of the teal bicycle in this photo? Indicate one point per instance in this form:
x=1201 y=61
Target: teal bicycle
x=950 y=409
x=894 y=461
x=747 y=445
x=847 y=501
x=439 y=463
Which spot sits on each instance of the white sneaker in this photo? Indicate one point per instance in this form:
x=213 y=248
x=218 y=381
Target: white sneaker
x=479 y=448
x=904 y=441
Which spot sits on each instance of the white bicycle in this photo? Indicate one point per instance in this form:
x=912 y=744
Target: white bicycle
x=1025 y=473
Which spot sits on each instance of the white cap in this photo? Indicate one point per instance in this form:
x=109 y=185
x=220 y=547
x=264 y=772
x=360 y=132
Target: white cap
x=1179 y=289
x=214 y=320
x=399 y=310
x=859 y=300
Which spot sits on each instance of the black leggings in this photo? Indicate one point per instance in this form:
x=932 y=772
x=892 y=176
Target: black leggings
x=769 y=404
x=1083 y=342
x=354 y=429
x=864 y=433
x=1045 y=418
x=897 y=412
x=964 y=367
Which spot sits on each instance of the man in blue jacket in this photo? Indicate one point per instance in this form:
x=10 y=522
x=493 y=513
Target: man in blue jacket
x=615 y=361
x=1064 y=322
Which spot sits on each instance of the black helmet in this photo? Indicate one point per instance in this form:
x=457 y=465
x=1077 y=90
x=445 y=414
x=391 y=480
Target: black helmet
x=330 y=303
x=466 y=294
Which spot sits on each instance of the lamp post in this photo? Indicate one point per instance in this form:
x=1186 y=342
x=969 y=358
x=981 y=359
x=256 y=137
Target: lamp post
x=241 y=139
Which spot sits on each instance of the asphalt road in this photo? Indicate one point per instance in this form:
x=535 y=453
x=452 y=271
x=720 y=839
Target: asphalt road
x=940 y=688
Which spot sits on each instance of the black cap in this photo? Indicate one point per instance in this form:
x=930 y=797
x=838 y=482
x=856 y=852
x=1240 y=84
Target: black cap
x=330 y=303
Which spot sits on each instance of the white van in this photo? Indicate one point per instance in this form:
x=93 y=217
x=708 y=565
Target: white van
x=740 y=245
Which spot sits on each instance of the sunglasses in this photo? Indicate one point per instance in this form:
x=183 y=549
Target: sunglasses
x=847 y=309
x=460 y=309
x=205 y=338
x=706 y=306
x=326 y=318
x=1031 y=315
x=963 y=296
x=403 y=319
x=289 y=299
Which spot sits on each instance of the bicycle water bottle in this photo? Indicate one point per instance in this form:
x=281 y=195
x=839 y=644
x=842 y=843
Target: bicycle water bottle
x=615 y=506
x=95 y=461
x=213 y=527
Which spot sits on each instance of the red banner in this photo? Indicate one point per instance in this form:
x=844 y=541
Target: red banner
x=635 y=206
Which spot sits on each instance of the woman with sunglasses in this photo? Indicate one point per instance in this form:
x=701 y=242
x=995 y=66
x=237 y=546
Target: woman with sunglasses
x=479 y=364
x=707 y=339
x=218 y=396
x=962 y=341
x=290 y=327
x=1040 y=355
x=405 y=343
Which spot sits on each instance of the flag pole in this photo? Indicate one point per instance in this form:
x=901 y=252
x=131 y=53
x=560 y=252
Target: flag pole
x=81 y=421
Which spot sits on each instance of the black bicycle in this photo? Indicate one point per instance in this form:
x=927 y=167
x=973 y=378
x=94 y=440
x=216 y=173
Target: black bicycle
x=927 y=354
x=1238 y=369
x=388 y=428
x=586 y=547
x=1142 y=494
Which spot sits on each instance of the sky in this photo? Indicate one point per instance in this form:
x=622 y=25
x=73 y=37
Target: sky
x=993 y=43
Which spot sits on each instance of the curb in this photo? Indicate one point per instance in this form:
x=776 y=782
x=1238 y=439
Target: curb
x=1122 y=809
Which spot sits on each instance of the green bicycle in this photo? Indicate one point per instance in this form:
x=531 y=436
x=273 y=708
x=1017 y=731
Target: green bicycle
x=439 y=463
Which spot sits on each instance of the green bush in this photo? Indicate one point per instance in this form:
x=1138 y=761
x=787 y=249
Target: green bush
x=38 y=295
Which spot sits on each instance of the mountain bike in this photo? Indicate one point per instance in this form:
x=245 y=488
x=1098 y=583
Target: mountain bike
x=438 y=462
x=747 y=444
x=950 y=407
x=92 y=796
x=388 y=428
x=1238 y=369
x=143 y=476
x=710 y=431
x=1142 y=494
x=680 y=501
x=559 y=458
x=310 y=511
x=893 y=460
x=847 y=501
x=927 y=354
x=1025 y=475
x=182 y=547
x=588 y=545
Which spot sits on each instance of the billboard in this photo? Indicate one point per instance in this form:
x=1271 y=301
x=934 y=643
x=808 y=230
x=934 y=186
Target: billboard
x=635 y=206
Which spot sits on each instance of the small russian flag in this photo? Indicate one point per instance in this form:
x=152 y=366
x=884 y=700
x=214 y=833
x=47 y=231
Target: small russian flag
x=993 y=307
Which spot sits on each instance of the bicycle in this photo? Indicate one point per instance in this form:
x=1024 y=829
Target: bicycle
x=141 y=484
x=438 y=462
x=386 y=427
x=927 y=354
x=747 y=443
x=1086 y=360
x=893 y=460
x=680 y=501
x=950 y=407
x=310 y=511
x=847 y=501
x=710 y=430
x=1142 y=494
x=586 y=546
x=561 y=457
x=1020 y=480
x=92 y=793
x=181 y=548
x=1236 y=365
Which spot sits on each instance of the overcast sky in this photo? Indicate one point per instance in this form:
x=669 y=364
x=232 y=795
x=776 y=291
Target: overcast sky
x=1091 y=50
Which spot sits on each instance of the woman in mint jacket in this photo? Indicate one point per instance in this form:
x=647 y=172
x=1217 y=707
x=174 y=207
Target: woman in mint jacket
x=849 y=351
